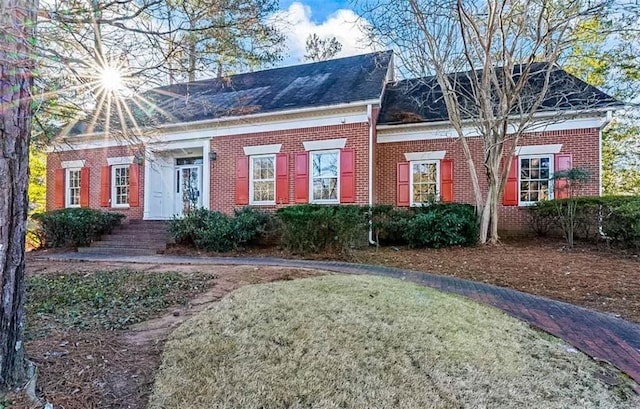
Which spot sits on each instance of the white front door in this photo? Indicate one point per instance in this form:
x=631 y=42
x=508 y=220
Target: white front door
x=188 y=187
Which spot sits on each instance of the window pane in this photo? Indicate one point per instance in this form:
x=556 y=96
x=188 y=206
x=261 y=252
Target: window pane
x=262 y=178
x=325 y=164
x=534 y=178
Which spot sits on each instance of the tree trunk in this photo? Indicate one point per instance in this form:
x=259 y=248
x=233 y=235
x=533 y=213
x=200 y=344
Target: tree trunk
x=17 y=21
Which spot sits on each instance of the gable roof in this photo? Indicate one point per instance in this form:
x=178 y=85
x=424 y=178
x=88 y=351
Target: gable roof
x=325 y=83
x=420 y=99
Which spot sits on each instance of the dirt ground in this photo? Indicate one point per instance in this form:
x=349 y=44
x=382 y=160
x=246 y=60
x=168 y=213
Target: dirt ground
x=115 y=369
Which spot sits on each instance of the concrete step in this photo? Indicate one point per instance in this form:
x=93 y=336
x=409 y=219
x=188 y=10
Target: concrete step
x=133 y=236
x=117 y=251
x=157 y=245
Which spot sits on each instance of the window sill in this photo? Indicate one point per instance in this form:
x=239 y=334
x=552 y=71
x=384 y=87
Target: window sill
x=72 y=206
x=329 y=202
x=122 y=206
x=262 y=203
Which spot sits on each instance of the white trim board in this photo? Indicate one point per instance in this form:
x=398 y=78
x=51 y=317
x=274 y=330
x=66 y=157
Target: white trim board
x=419 y=156
x=538 y=149
x=325 y=144
x=120 y=160
x=262 y=149
x=65 y=164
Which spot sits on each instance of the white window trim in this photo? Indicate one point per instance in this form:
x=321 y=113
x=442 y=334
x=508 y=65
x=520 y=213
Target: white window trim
x=533 y=150
x=262 y=149
x=325 y=145
x=113 y=186
x=120 y=160
x=67 y=191
x=551 y=173
x=416 y=162
x=262 y=202
x=324 y=201
x=67 y=164
x=424 y=156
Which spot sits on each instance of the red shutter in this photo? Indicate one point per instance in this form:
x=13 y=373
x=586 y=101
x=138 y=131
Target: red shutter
x=403 y=178
x=134 y=185
x=347 y=176
x=59 y=189
x=282 y=178
x=242 y=180
x=105 y=186
x=446 y=180
x=510 y=197
x=84 y=187
x=563 y=162
x=301 y=177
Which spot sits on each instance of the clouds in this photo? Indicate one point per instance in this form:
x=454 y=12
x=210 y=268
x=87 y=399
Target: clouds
x=297 y=23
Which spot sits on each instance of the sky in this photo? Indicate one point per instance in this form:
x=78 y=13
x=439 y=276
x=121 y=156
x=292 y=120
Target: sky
x=326 y=18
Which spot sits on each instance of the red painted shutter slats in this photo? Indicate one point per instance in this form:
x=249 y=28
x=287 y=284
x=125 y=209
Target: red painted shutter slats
x=563 y=162
x=105 y=186
x=59 y=189
x=242 y=180
x=282 y=178
x=301 y=184
x=84 y=187
x=403 y=178
x=134 y=185
x=446 y=180
x=510 y=197
x=347 y=176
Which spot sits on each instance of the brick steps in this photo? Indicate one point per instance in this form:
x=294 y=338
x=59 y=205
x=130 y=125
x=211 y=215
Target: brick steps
x=136 y=238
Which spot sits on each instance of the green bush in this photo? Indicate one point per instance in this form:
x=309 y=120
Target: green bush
x=615 y=216
x=442 y=225
x=316 y=228
x=215 y=231
x=74 y=227
x=389 y=224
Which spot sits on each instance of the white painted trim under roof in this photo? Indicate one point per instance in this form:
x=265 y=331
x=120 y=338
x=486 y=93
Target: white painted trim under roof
x=120 y=160
x=262 y=149
x=325 y=144
x=65 y=164
x=418 y=156
x=538 y=149
x=426 y=131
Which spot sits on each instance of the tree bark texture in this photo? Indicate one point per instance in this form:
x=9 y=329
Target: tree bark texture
x=17 y=22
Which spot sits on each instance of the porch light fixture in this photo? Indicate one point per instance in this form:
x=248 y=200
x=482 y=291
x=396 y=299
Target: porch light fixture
x=138 y=159
x=213 y=156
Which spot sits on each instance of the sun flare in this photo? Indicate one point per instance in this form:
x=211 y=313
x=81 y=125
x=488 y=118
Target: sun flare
x=111 y=79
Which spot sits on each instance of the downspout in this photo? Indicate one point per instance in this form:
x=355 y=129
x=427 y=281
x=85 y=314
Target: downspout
x=606 y=121
x=371 y=131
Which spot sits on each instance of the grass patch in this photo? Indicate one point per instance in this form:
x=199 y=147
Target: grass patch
x=369 y=342
x=105 y=300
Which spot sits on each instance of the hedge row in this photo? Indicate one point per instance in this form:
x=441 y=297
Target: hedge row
x=615 y=218
x=73 y=227
x=317 y=228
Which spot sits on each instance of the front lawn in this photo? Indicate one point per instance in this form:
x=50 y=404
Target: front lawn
x=370 y=342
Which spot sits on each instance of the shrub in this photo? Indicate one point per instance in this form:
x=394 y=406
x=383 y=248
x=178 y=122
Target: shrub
x=74 y=227
x=316 y=228
x=215 y=231
x=622 y=224
x=442 y=225
x=389 y=224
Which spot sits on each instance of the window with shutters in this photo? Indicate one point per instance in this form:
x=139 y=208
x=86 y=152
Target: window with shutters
x=425 y=179
x=72 y=181
x=120 y=186
x=536 y=178
x=262 y=179
x=325 y=168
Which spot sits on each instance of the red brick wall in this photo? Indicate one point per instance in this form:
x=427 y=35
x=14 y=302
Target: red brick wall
x=581 y=143
x=229 y=148
x=95 y=160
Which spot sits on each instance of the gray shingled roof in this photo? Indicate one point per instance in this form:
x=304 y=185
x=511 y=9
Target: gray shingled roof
x=420 y=99
x=326 y=83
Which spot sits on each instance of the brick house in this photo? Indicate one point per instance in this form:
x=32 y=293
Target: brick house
x=333 y=132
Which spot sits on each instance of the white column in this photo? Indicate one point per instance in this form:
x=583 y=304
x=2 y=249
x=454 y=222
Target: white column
x=206 y=174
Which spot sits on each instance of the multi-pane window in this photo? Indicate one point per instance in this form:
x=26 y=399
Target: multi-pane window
x=535 y=178
x=324 y=176
x=262 y=170
x=424 y=182
x=120 y=186
x=73 y=188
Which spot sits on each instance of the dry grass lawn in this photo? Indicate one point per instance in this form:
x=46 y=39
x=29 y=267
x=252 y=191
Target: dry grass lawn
x=369 y=342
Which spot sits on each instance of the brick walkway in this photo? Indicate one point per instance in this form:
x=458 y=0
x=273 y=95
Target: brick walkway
x=601 y=336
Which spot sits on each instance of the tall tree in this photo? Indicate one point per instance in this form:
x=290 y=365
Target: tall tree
x=321 y=49
x=17 y=23
x=495 y=46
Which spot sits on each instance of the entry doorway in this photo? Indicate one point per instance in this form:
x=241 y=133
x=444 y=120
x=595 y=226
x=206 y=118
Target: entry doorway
x=188 y=185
